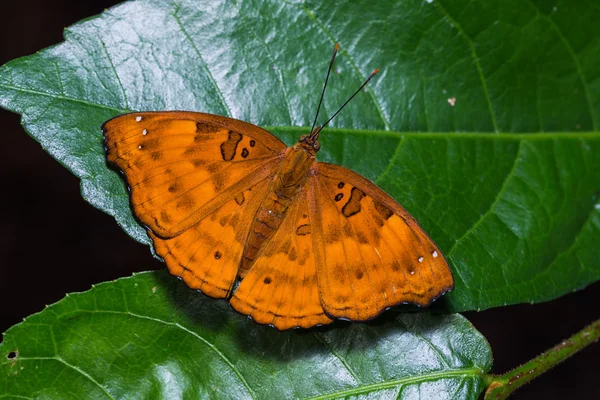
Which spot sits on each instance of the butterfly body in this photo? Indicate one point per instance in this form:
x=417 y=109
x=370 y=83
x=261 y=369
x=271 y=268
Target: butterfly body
x=224 y=201
x=297 y=162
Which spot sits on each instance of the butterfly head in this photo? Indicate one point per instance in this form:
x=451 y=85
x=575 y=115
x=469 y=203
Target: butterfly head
x=311 y=142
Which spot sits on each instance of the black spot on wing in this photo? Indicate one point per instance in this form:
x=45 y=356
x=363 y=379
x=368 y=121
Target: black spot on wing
x=229 y=147
x=352 y=207
x=303 y=230
x=239 y=199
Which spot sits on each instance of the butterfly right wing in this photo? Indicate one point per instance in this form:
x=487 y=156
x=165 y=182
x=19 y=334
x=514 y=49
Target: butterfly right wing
x=181 y=166
x=371 y=253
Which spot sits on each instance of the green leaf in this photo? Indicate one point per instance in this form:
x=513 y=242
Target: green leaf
x=516 y=213
x=149 y=336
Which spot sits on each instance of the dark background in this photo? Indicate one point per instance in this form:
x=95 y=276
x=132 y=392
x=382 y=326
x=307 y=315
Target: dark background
x=52 y=242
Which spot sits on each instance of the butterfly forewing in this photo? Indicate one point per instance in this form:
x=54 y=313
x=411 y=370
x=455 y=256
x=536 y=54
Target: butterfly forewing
x=371 y=254
x=181 y=166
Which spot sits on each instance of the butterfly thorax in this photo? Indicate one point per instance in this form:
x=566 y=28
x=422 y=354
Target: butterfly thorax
x=287 y=182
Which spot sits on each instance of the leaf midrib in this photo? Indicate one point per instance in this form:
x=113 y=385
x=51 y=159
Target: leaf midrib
x=437 y=375
x=369 y=132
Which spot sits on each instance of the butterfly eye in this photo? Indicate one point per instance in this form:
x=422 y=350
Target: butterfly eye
x=317 y=146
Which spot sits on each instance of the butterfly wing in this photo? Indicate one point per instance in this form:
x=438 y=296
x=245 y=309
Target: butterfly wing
x=281 y=287
x=370 y=253
x=196 y=181
x=207 y=255
x=181 y=166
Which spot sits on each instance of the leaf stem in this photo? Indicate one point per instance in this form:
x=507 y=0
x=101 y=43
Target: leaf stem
x=502 y=386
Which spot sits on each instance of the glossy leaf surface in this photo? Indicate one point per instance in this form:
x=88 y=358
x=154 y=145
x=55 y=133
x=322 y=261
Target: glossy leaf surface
x=149 y=336
x=512 y=200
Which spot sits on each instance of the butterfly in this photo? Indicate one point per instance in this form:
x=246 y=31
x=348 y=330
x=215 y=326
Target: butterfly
x=290 y=241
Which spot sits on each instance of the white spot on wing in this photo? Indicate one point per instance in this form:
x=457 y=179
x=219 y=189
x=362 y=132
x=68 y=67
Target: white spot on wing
x=420 y=259
x=140 y=147
x=138 y=118
x=145 y=132
x=434 y=254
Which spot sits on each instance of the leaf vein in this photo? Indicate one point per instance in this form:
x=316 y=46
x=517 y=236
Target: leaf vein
x=589 y=220
x=379 y=386
x=571 y=51
x=204 y=64
x=494 y=203
x=475 y=60
x=112 y=66
x=62 y=97
x=73 y=367
x=279 y=75
x=412 y=330
x=194 y=334
x=322 y=27
x=392 y=160
x=340 y=358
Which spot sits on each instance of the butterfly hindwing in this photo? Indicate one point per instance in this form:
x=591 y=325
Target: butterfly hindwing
x=181 y=166
x=207 y=255
x=371 y=254
x=281 y=287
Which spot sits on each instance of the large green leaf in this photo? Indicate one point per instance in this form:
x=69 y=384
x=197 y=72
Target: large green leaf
x=149 y=336
x=515 y=211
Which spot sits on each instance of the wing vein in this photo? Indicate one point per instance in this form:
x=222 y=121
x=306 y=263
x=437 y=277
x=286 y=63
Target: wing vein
x=337 y=214
x=189 y=173
x=275 y=312
x=365 y=267
x=191 y=188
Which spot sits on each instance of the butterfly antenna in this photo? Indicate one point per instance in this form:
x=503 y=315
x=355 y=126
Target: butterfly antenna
x=335 y=50
x=351 y=97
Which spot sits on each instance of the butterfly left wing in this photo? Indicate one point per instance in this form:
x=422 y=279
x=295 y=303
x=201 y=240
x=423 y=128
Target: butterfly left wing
x=196 y=181
x=180 y=166
x=370 y=253
x=281 y=287
x=207 y=255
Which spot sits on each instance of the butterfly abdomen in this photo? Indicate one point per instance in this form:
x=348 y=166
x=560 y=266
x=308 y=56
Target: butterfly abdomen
x=267 y=220
x=282 y=191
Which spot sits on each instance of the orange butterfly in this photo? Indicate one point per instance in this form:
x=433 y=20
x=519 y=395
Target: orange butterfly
x=224 y=201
